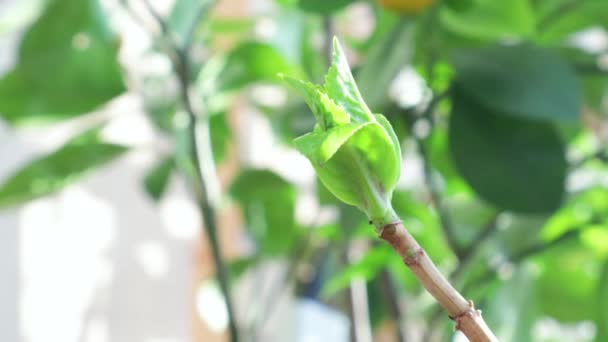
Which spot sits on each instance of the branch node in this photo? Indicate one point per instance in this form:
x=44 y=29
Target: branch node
x=413 y=257
x=466 y=314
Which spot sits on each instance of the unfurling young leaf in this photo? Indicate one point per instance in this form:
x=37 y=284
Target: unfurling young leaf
x=355 y=153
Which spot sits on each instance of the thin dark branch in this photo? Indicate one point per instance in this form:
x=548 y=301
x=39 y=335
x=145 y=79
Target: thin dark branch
x=200 y=186
x=468 y=253
x=328 y=28
x=434 y=191
x=160 y=21
x=273 y=299
x=201 y=12
x=437 y=200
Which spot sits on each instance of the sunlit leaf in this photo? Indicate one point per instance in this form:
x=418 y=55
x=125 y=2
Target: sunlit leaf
x=67 y=66
x=53 y=172
x=341 y=87
x=220 y=135
x=253 y=62
x=581 y=210
x=356 y=154
x=566 y=285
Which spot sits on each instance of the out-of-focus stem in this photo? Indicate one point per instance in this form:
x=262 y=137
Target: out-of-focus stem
x=204 y=182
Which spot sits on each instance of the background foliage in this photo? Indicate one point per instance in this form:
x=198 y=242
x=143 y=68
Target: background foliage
x=513 y=109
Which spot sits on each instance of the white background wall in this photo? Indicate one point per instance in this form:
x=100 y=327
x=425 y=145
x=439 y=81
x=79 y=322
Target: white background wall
x=99 y=261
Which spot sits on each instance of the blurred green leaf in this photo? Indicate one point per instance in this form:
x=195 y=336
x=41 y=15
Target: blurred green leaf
x=602 y=320
x=384 y=61
x=52 y=172
x=184 y=17
x=514 y=164
x=366 y=268
x=566 y=284
x=157 y=178
x=459 y=5
x=595 y=91
x=595 y=238
x=220 y=135
x=582 y=209
x=513 y=302
x=239 y=266
x=67 y=66
x=268 y=203
x=557 y=19
x=318 y=6
x=490 y=19
x=239 y=26
x=313 y=62
x=521 y=80
x=422 y=222
x=253 y=62
x=439 y=155
x=324 y=195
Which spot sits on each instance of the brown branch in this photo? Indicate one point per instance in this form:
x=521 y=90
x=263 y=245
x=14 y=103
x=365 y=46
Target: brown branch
x=468 y=320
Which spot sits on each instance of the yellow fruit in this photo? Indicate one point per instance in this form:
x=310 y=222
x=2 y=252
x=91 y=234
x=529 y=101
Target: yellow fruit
x=405 y=6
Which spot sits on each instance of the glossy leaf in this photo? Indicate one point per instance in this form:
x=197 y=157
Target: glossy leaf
x=67 y=66
x=523 y=80
x=514 y=164
x=53 y=172
x=157 y=178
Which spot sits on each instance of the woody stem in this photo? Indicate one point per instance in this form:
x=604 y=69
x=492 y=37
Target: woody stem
x=468 y=320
